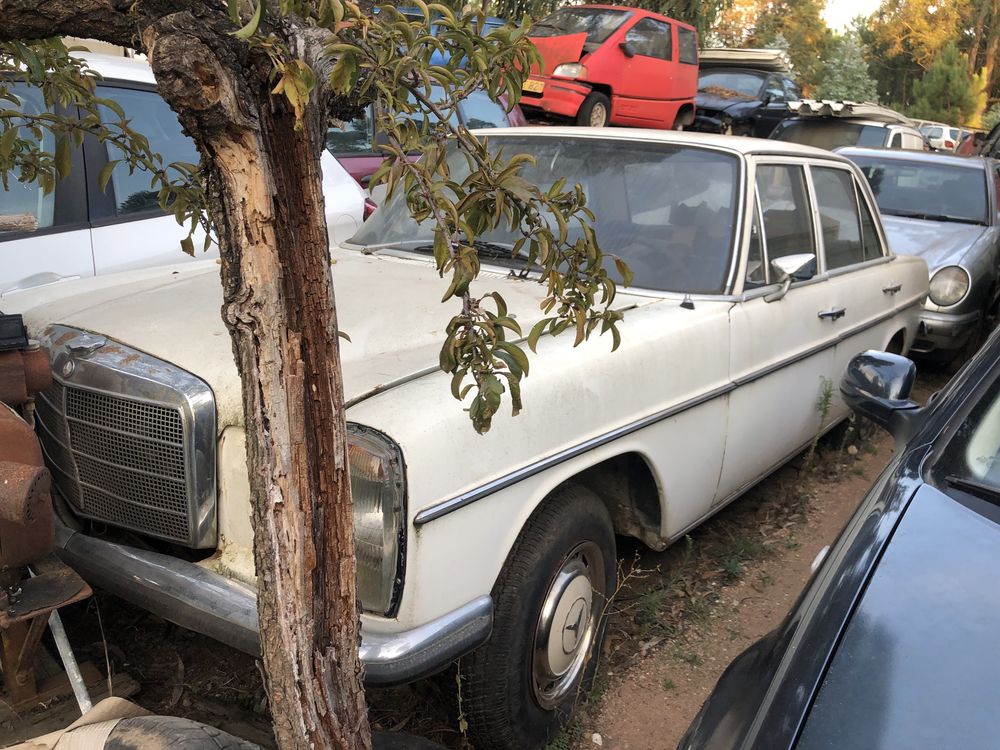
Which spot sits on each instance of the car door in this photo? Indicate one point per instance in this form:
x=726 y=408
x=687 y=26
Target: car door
x=865 y=285
x=129 y=229
x=59 y=248
x=776 y=109
x=782 y=352
x=646 y=82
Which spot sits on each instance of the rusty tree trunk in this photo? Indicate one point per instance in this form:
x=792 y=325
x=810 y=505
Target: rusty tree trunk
x=265 y=193
x=266 y=190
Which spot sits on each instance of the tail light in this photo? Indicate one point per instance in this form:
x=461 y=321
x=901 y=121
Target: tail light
x=370 y=207
x=949 y=145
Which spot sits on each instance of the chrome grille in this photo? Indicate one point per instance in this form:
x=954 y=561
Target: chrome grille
x=129 y=450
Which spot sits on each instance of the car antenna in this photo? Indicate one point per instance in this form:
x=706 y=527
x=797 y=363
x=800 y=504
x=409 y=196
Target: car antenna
x=688 y=303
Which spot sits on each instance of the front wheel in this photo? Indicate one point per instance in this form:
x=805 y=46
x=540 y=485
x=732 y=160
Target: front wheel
x=595 y=111
x=550 y=600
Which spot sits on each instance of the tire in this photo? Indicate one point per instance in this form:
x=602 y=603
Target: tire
x=516 y=692
x=595 y=111
x=171 y=733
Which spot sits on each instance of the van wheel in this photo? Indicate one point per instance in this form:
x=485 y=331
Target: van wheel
x=595 y=112
x=550 y=599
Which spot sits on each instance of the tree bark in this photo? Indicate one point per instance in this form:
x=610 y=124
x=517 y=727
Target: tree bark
x=265 y=189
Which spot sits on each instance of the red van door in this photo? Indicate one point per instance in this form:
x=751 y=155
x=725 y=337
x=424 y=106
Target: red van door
x=644 y=89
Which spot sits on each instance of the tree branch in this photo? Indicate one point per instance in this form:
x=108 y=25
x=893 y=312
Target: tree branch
x=108 y=20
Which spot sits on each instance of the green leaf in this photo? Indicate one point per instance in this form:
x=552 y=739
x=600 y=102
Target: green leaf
x=187 y=245
x=517 y=353
x=536 y=332
x=251 y=28
x=105 y=175
x=63 y=156
x=624 y=271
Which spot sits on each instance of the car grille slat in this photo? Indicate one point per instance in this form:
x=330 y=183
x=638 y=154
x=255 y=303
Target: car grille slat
x=129 y=451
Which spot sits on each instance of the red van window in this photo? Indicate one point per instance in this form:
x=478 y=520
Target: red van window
x=687 y=46
x=650 y=38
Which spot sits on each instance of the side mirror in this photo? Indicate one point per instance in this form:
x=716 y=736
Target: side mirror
x=789 y=268
x=877 y=385
x=626 y=48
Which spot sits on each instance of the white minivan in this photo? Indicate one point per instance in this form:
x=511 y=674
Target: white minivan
x=84 y=231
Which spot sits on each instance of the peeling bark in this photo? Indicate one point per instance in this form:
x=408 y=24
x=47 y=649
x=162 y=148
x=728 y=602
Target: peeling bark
x=265 y=186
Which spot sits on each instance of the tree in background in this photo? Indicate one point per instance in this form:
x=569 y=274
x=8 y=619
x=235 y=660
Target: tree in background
x=992 y=117
x=734 y=24
x=801 y=24
x=846 y=73
x=946 y=93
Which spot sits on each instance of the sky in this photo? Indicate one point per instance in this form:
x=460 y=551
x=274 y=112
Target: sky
x=839 y=13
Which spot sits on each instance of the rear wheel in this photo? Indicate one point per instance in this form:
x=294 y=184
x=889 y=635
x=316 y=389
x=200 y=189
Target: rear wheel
x=522 y=685
x=595 y=112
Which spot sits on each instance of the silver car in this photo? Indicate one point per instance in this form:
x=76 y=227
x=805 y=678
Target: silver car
x=943 y=208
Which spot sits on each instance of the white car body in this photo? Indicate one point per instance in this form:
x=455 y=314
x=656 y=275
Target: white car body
x=92 y=246
x=707 y=395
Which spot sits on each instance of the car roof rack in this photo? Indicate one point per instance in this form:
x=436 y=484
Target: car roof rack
x=836 y=108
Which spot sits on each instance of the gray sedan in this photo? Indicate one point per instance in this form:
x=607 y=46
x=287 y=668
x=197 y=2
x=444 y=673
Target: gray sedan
x=943 y=208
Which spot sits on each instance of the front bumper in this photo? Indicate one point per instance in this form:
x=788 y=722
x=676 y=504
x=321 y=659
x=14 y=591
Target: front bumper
x=560 y=97
x=944 y=333
x=205 y=602
x=710 y=122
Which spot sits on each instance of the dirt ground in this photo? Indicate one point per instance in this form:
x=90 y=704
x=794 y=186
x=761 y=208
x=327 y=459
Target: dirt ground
x=679 y=618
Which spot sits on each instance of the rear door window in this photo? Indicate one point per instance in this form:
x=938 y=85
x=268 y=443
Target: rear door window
x=840 y=224
x=650 y=38
x=687 y=46
x=147 y=112
x=786 y=215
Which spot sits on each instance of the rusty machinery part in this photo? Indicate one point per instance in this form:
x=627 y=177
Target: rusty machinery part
x=26 y=523
x=23 y=373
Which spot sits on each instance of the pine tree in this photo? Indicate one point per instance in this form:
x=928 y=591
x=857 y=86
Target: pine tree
x=946 y=93
x=846 y=74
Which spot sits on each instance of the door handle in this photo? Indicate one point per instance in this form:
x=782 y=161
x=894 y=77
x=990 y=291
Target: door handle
x=833 y=313
x=891 y=289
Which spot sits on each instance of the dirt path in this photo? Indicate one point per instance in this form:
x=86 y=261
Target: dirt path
x=650 y=704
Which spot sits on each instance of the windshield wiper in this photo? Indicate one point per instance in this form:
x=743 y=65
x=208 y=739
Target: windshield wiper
x=982 y=490
x=930 y=217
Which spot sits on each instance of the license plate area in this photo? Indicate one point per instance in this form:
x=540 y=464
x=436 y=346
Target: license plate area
x=534 y=87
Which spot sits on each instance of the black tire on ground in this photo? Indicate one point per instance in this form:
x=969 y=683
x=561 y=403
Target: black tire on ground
x=591 y=110
x=511 y=699
x=171 y=733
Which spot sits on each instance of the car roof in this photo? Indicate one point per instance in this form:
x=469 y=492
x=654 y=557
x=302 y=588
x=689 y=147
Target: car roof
x=928 y=157
x=739 y=144
x=116 y=68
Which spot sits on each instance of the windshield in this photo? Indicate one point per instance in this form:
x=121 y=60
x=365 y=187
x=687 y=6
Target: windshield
x=667 y=210
x=830 y=134
x=731 y=84
x=597 y=23
x=925 y=190
x=971 y=458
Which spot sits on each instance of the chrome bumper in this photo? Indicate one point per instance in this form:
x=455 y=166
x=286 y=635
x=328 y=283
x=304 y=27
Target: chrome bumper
x=208 y=603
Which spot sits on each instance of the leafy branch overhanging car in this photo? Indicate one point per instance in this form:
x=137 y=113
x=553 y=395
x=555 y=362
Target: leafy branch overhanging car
x=892 y=644
x=760 y=269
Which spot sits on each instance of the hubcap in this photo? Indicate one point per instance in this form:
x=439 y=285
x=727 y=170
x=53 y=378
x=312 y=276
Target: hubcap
x=598 y=116
x=567 y=624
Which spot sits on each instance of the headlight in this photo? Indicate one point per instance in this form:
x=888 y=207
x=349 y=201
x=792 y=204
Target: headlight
x=377 y=487
x=570 y=70
x=949 y=285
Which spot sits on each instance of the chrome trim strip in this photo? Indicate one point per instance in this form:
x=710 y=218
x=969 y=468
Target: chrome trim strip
x=203 y=601
x=467 y=498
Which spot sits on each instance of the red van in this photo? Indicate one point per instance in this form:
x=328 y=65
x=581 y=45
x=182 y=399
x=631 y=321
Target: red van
x=613 y=65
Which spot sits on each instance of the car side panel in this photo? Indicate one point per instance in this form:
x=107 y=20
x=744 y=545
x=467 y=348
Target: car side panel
x=457 y=557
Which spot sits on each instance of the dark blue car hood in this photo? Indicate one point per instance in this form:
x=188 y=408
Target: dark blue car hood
x=919 y=664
